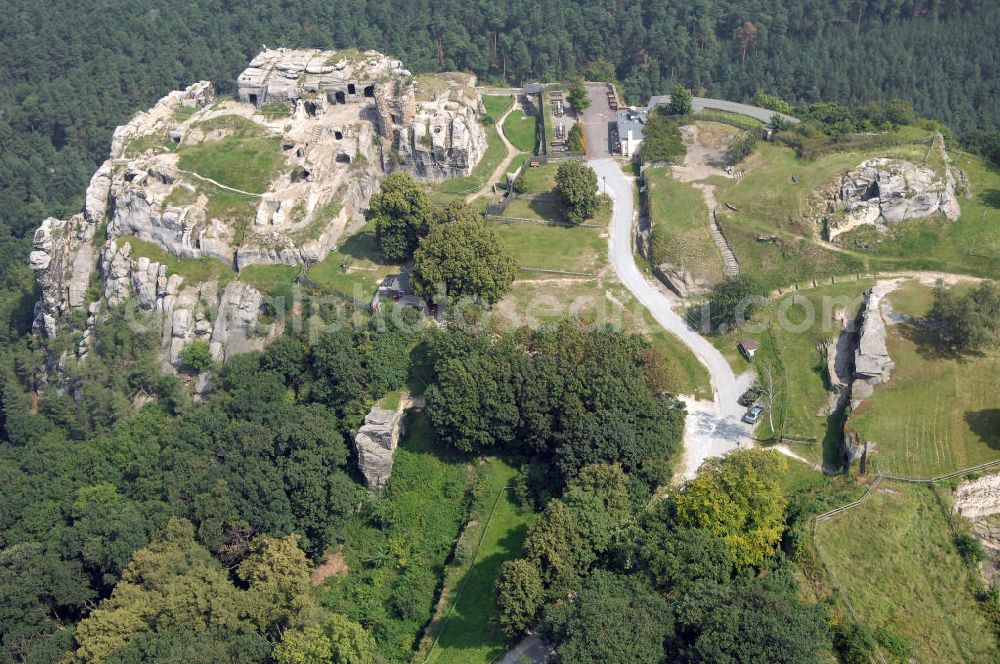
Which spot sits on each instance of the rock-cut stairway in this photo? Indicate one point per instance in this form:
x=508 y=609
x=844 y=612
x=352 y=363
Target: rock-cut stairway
x=731 y=266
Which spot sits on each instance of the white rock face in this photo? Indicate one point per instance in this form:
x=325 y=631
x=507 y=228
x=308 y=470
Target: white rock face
x=346 y=110
x=62 y=258
x=881 y=192
x=872 y=364
x=978 y=498
x=375 y=444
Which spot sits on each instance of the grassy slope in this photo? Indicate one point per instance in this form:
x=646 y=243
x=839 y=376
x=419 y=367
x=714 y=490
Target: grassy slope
x=246 y=159
x=469 y=636
x=798 y=341
x=899 y=566
x=497 y=105
x=425 y=498
x=938 y=413
x=365 y=267
x=194 y=270
x=771 y=204
x=681 y=234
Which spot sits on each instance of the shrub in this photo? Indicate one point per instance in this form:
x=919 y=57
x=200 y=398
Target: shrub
x=197 y=356
x=575 y=139
x=970 y=548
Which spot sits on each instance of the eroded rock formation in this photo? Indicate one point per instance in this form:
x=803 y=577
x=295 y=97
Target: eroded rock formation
x=872 y=363
x=375 y=444
x=977 y=498
x=881 y=192
x=334 y=122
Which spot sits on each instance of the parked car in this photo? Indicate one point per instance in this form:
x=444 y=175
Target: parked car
x=750 y=397
x=752 y=416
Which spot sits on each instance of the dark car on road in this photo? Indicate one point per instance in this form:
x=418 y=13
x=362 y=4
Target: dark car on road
x=750 y=397
x=752 y=416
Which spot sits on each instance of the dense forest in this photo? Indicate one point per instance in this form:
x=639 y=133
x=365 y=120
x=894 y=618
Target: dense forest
x=70 y=76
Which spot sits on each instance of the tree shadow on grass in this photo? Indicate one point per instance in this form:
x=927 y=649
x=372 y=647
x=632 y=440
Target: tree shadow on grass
x=991 y=197
x=985 y=424
x=929 y=344
x=362 y=246
x=471 y=625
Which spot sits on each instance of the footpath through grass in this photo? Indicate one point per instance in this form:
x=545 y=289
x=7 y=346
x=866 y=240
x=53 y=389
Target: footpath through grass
x=939 y=412
x=896 y=557
x=680 y=228
x=495 y=153
x=468 y=634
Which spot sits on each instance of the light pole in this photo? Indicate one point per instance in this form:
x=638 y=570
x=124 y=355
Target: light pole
x=604 y=179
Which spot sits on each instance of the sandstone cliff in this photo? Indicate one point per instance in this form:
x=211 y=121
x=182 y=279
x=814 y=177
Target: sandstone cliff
x=276 y=176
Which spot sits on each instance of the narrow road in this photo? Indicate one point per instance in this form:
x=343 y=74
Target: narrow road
x=713 y=427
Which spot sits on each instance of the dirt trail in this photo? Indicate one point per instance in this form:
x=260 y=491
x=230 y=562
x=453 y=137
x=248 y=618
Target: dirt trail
x=500 y=170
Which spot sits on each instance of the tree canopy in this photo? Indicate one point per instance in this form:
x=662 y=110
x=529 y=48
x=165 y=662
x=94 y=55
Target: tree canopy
x=576 y=187
x=463 y=259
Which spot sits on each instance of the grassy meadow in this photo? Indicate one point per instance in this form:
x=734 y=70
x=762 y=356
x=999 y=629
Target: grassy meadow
x=896 y=557
x=939 y=412
x=680 y=228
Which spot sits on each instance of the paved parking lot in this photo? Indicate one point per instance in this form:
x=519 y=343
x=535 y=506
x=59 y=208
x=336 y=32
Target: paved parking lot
x=596 y=120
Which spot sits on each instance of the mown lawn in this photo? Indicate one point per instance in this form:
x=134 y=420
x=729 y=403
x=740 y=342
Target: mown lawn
x=896 y=557
x=539 y=180
x=680 y=227
x=520 y=130
x=939 y=412
x=579 y=249
x=497 y=105
x=469 y=635
x=394 y=571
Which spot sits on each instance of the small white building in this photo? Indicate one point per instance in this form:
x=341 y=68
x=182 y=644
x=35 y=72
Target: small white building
x=631 y=130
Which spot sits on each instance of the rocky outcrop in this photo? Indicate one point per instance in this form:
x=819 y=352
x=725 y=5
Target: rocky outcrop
x=62 y=259
x=978 y=498
x=872 y=364
x=442 y=143
x=881 y=192
x=329 y=157
x=237 y=328
x=680 y=280
x=375 y=444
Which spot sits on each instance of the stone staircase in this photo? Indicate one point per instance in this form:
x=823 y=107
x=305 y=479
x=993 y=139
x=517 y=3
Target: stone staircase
x=317 y=133
x=731 y=266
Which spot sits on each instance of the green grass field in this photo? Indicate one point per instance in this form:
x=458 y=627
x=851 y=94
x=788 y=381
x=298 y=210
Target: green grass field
x=567 y=249
x=539 y=180
x=393 y=571
x=770 y=203
x=497 y=105
x=365 y=268
x=939 y=412
x=247 y=158
x=897 y=560
x=270 y=279
x=468 y=635
x=520 y=131
x=680 y=230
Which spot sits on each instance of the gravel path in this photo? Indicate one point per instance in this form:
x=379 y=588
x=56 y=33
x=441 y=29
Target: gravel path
x=713 y=427
x=500 y=170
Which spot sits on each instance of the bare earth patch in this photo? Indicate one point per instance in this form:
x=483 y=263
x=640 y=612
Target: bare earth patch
x=334 y=565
